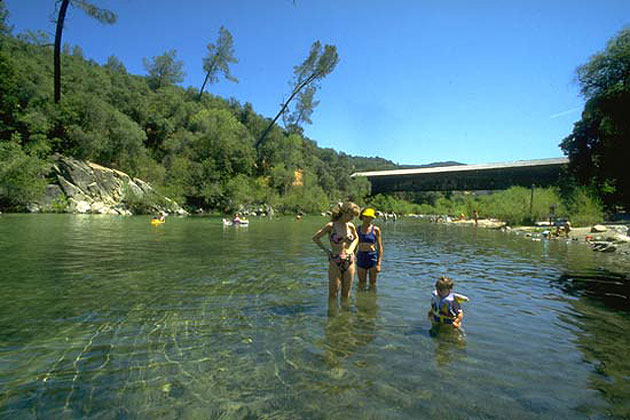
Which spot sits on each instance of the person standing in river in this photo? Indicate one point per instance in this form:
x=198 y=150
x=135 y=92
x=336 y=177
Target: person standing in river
x=343 y=242
x=370 y=249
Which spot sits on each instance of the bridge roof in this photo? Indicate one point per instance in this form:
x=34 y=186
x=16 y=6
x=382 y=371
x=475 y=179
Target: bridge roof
x=464 y=168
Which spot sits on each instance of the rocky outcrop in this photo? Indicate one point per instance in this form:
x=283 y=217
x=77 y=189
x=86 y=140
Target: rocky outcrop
x=85 y=187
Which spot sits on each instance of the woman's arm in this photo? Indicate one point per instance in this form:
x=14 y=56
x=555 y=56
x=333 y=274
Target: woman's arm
x=379 y=241
x=318 y=235
x=355 y=241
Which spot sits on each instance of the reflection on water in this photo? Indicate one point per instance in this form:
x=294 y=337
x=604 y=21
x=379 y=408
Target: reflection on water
x=110 y=317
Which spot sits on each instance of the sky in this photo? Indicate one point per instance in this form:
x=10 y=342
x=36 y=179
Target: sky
x=418 y=81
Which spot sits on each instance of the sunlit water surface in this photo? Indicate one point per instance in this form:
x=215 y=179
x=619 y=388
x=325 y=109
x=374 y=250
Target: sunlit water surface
x=110 y=317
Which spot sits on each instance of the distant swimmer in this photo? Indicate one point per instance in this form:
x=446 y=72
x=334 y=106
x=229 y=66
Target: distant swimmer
x=158 y=220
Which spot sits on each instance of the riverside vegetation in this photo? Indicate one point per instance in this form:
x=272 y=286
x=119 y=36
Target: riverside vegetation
x=211 y=153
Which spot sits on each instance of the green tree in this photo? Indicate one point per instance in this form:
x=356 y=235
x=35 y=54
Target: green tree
x=304 y=107
x=599 y=145
x=21 y=176
x=319 y=64
x=164 y=70
x=218 y=59
x=114 y=64
x=102 y=15
x=5 y=28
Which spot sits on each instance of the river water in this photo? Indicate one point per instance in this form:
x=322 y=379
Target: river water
x=110 y=317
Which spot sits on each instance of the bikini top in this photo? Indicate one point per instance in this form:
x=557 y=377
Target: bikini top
x=337 y=239
x=369 y=237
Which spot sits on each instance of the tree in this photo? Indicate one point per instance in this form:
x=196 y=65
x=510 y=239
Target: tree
x=218 y=59
x=317 y=65
x=102 y=15
x=303 y=109
x=114 y=64
x=5 y=28
x=164 y=70
x=599 y=145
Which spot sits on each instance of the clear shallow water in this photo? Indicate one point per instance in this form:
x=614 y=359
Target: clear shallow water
x=109 y=317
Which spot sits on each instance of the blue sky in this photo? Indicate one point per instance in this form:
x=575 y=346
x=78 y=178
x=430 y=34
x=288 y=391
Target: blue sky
x=417 y=82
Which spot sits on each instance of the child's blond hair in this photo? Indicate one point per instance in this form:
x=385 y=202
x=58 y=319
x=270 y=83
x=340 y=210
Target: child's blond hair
x=444 y=283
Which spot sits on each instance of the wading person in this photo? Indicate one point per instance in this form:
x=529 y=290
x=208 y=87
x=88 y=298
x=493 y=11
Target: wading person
x=370 y=249
x=343 y=241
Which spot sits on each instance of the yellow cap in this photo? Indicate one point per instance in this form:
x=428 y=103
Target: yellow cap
x=368 y=213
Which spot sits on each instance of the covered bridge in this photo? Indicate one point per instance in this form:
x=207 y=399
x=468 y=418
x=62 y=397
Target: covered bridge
x=486 y=176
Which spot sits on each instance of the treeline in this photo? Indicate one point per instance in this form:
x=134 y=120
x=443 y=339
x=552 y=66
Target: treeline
x=198 y=149
x=515 y=206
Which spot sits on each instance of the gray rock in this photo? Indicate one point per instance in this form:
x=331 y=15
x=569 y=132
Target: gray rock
x=99 y=207
x=78 y=206
x=598 y=229
x=71 y=190
x=89 y=187
x=33 y=208
x=53 y=197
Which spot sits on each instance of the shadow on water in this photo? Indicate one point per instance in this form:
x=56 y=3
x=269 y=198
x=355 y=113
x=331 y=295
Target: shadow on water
x=601 y=315
x=611 y=289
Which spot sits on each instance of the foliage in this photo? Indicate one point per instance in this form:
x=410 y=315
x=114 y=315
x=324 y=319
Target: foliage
x=164 y=70
x=21 y=176
x=218 y=59
x=5 y=28
x=143 y=202
x=583 y=207
x=102 y=15
x=599 y=145
x=513 y=206
x=319 y=64
x=198 y=151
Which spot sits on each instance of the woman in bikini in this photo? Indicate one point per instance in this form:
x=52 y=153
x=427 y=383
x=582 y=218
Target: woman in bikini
x=343 y=241
x=370 y=252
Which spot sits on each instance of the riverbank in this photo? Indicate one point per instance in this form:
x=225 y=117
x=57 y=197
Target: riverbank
x=605 y=237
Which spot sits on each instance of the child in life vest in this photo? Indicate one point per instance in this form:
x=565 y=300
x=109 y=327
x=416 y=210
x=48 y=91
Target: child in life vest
x=445 y=305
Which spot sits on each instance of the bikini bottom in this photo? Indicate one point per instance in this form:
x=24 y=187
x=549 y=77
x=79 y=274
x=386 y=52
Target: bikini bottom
x=342 y=261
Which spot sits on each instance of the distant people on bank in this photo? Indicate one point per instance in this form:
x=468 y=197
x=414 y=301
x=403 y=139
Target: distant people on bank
x=445 y=305
x=476 y=217
x=343 y=239
x=552 y=214
x=390 y=216
x=370 y=249
x=563 y=227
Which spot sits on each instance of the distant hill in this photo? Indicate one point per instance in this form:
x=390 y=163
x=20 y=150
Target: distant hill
x=363 y=164
x=432 y=165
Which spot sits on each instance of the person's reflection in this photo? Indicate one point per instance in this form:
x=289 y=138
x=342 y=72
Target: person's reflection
x=346 y=330
x=449 y=343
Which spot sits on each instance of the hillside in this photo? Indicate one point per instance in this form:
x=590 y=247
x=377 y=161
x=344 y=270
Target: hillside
x=200 y=151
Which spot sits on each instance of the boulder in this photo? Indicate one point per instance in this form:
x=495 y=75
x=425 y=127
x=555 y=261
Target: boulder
x=78 y=206
x=598 y=229
x=53 y=199
x=89 y=187
x=98 y=207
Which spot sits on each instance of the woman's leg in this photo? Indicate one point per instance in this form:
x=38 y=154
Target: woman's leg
x=373 y=276
x=362 y=274
x=346 y=285
x=334 y=280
